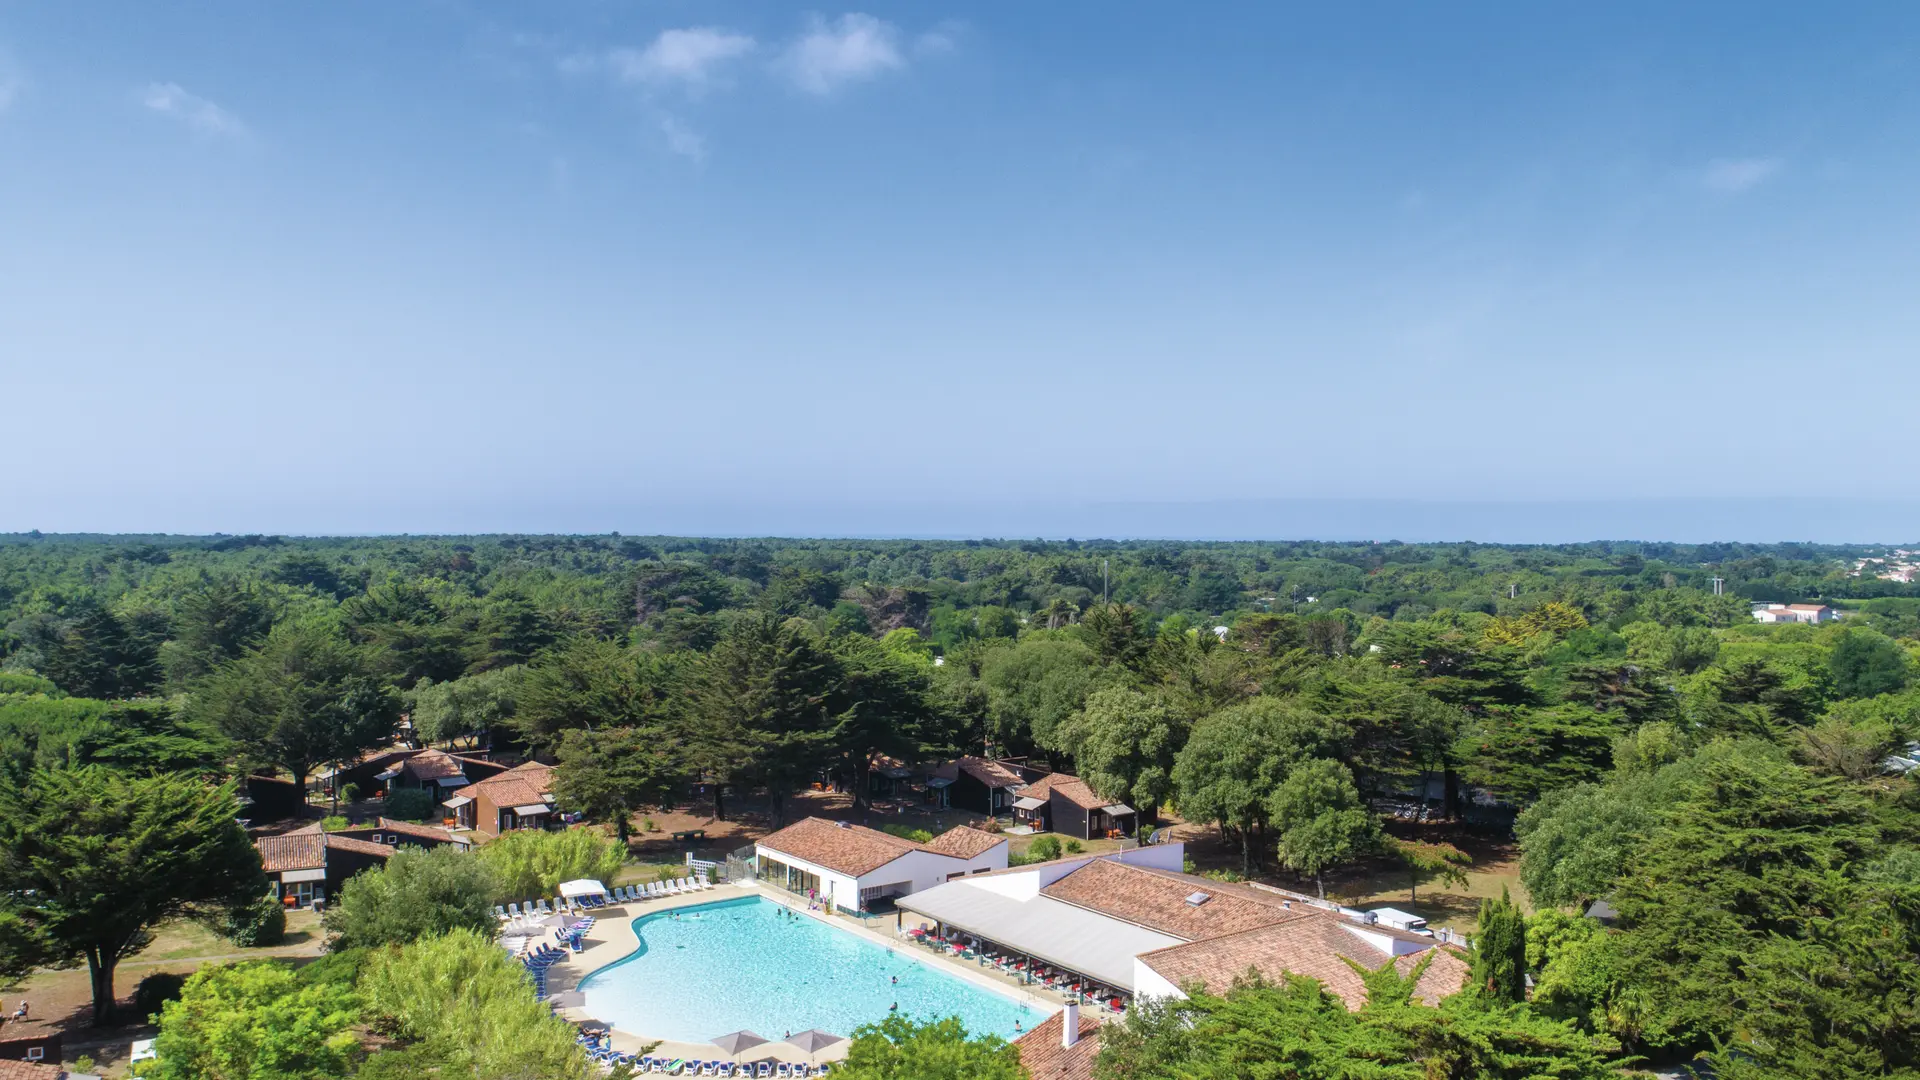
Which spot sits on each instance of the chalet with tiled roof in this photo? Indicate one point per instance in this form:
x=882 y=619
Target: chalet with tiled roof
x=856 y=868
x=1066 y=804
x=982 y=785
x=520 y=798
x=308 y=865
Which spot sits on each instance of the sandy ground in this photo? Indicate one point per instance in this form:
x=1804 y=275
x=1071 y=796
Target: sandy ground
x=63 y=999
x=612 y=938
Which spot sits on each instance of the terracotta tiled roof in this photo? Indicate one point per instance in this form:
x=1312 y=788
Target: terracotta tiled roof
x=412 y=828
x=1158 y=900
x=521 y=785
x=1046 y=1059
x=27 y=1070
x=364 y=847
x=990 y=773
x=848 y=849
x=431 y=765
x=1317 y=945
x=1072 y=788
x=963 y=842
x=295 y=851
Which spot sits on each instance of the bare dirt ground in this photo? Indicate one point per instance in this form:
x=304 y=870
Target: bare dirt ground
x=62 y=1000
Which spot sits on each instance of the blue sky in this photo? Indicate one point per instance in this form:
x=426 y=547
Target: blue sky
x=370 y=267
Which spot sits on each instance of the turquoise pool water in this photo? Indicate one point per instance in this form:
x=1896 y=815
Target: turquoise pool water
x=735 y=964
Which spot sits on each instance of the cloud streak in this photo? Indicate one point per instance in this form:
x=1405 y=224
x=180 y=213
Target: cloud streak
x=689 y=58
x=173 y=101
x=1731 y=176
x=852 y=48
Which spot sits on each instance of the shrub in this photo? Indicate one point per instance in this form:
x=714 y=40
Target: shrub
x=257 y=925
x=350 y=793
x=409 y=804
x=1228 y=875
x=334 y=823
x=341 y=967
x=1043 y=848
x=254 y=1020
x=991 y=825
x=463 y=999
x=908 y=832
x=535 y=863
x=153 y=992
x=23 y=682
x=647 y=825
x=1075 y=847
x=83 y=1064
x=416 y=894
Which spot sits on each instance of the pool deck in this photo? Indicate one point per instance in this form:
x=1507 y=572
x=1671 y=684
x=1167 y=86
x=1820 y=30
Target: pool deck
x=612 y=940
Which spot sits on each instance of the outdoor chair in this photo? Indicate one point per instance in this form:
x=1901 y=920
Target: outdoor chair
x=763 y=1069
x=544 y=909
x=687 y=886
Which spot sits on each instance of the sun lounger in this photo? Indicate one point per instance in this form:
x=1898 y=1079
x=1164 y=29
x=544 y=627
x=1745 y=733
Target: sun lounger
x=764 y=1068
x=683 y=885
x=655 y=891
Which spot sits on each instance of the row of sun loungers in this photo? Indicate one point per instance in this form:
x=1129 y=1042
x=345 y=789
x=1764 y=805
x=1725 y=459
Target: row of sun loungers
x=625 y=894
x=683 y=1067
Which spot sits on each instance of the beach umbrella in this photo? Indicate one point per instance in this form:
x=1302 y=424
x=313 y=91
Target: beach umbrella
x=813 y=1040
x=555 y=921
x=734 y=1044
x=593 y=1025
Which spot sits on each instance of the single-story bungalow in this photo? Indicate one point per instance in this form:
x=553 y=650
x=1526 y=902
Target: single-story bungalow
x=362 y=772
x=855 y=868
x=1131 y=924
x=399 y=833
x=1065 y=804
x=981 y=785
x=271 y=798
x=437 y=771
x=520 y=798
x=311 y=865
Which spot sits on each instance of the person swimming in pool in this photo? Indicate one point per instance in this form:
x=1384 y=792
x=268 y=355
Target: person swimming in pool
x=895 y=1007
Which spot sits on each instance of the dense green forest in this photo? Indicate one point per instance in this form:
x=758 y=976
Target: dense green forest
x=1721 y=782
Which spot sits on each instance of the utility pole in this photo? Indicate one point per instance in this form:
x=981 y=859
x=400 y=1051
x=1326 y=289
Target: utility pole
x=1513 y=590
x=1719 y=585
x=1103 y=581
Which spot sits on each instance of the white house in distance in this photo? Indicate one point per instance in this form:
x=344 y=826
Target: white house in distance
x=855 y=868
x=1794 y=613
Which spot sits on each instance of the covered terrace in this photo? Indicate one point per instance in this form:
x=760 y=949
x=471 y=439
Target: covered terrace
x=1065 y=947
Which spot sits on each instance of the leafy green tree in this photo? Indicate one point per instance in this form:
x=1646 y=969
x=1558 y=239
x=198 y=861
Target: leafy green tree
x=416 y=894
x=90 y=650
x=1500 y=950
x=92 y=859
x=1522 y=753
x=46 y=732
x=1320 y=819
x=1424 y=857
x=529 y=863
x=1684 y=650
x=1124 y=745
x=611 y=774
x=466 y=708
x=1865 y=664
x=302 y=698
x=408 y=632
x=305 y=570
x=1236 y=757
x=464 y=1002
x=512 y=632
x=899 y=1048
x=1118 y=633
x=255 y=1022
x=886 y=707
x=586 y=683
x=1575 y=842
x=215 y=622
x=766 y=696
x=1033 y=686
x=1296 y=1030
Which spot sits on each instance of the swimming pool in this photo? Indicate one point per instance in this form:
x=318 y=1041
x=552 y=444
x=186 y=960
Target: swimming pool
x=701 y=972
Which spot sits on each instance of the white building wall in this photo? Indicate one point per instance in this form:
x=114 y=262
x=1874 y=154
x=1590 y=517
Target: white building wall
x=1148 y=983
x=843 y=889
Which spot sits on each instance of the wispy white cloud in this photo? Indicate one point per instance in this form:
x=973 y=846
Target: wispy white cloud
x=173 y=101
x=852 y=48
x=940 y=40
x=1732 y=176
x=683 y=140
x=691 y=59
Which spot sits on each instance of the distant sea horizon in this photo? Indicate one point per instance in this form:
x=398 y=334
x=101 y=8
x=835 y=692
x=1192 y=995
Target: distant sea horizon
x=1541 y=521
